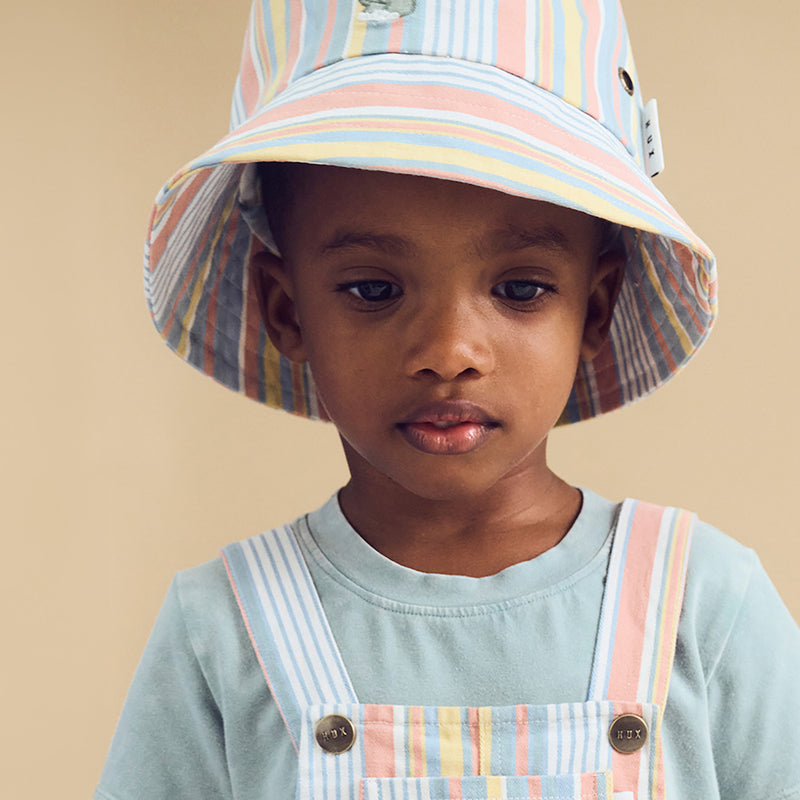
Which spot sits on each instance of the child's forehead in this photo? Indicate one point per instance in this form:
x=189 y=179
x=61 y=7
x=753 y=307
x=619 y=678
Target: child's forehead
x=356 y=203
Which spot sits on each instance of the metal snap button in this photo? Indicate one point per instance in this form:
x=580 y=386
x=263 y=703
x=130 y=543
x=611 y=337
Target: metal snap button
x=335 y=733
x=626 y=80
x=628 y=733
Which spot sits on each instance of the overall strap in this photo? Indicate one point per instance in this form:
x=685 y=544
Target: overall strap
x=286 y=624
x=642 y=604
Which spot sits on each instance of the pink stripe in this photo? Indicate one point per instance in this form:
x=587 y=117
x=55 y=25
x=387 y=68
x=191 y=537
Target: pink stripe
x=395 y=44
x=248 y=76
x=326 y=36
x=511 y=39
x=535 y=787
x=417 y=735
x=634 y=594
x=522 y=740
x=379 y=755
x=589 y=784
x=260 y=43
x=454 y=788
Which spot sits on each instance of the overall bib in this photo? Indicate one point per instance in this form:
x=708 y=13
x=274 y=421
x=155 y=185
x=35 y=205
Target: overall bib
x=606 y=747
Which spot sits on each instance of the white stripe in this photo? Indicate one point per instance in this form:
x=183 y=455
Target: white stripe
x=580 y=732
x=473 y=30
x=592 y=739
x=441 y=46
x=459 y=30
x=552 y=739
x=398 y=731
x=425 y=791
x=531 y=26
x=488 y=32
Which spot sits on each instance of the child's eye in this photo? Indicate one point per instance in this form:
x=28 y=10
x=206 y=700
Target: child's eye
x=520 y=291
x=371 y=291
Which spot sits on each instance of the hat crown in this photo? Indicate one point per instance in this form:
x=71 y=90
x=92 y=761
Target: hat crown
x=574 y=49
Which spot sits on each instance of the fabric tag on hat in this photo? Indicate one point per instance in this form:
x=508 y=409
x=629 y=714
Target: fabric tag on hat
x=651 y=135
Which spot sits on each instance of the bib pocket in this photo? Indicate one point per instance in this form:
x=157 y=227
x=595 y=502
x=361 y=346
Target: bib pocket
x=586 y=786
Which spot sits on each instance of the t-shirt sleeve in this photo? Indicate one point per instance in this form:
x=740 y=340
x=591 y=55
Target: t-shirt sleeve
x=753 y=690
x=169 y=741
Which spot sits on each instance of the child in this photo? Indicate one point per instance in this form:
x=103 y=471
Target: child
x=433 y=224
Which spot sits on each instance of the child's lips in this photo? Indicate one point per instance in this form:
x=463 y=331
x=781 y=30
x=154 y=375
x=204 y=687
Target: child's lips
x=449 y=427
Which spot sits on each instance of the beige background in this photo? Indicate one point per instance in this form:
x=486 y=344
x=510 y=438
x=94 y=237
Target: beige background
x=122 y=465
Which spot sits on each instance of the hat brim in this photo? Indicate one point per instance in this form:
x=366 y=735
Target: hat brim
x=441 y=118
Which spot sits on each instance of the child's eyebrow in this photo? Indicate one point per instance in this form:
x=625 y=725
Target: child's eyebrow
x=385 y=242
x=504 y=240
x=512 y=238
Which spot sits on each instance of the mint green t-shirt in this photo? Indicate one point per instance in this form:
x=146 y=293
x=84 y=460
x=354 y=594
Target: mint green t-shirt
x=199 y=722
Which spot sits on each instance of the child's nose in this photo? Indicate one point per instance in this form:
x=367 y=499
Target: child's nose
x=448 y=341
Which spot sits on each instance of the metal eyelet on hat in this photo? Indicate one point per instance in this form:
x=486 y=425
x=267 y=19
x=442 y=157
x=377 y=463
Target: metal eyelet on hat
x=628 y=733
x=335 y=734
x=626 y=80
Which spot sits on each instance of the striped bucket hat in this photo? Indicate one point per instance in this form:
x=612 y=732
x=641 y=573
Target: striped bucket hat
x=536 y=98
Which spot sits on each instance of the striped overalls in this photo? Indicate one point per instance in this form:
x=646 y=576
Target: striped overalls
x=606 y=747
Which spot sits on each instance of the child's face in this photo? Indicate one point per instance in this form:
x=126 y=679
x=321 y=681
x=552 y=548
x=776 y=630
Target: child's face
x=443 y=323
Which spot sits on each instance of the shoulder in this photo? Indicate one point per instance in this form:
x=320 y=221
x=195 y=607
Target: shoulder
x=730 y=602
x=736 y=662
x=719 y=574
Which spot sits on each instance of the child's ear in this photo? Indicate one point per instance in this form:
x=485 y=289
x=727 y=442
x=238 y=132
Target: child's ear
x=276 y=302
x=606 y=283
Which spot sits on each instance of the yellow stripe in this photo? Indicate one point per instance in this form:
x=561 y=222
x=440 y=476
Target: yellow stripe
x=199 y=283
x=654 y=795
x=666 y=638
x=272 y=371
x=451 y=746
x=485 y=740
x=278 y=14
x=358 y=32
x=417 y=767
x=494 y=788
